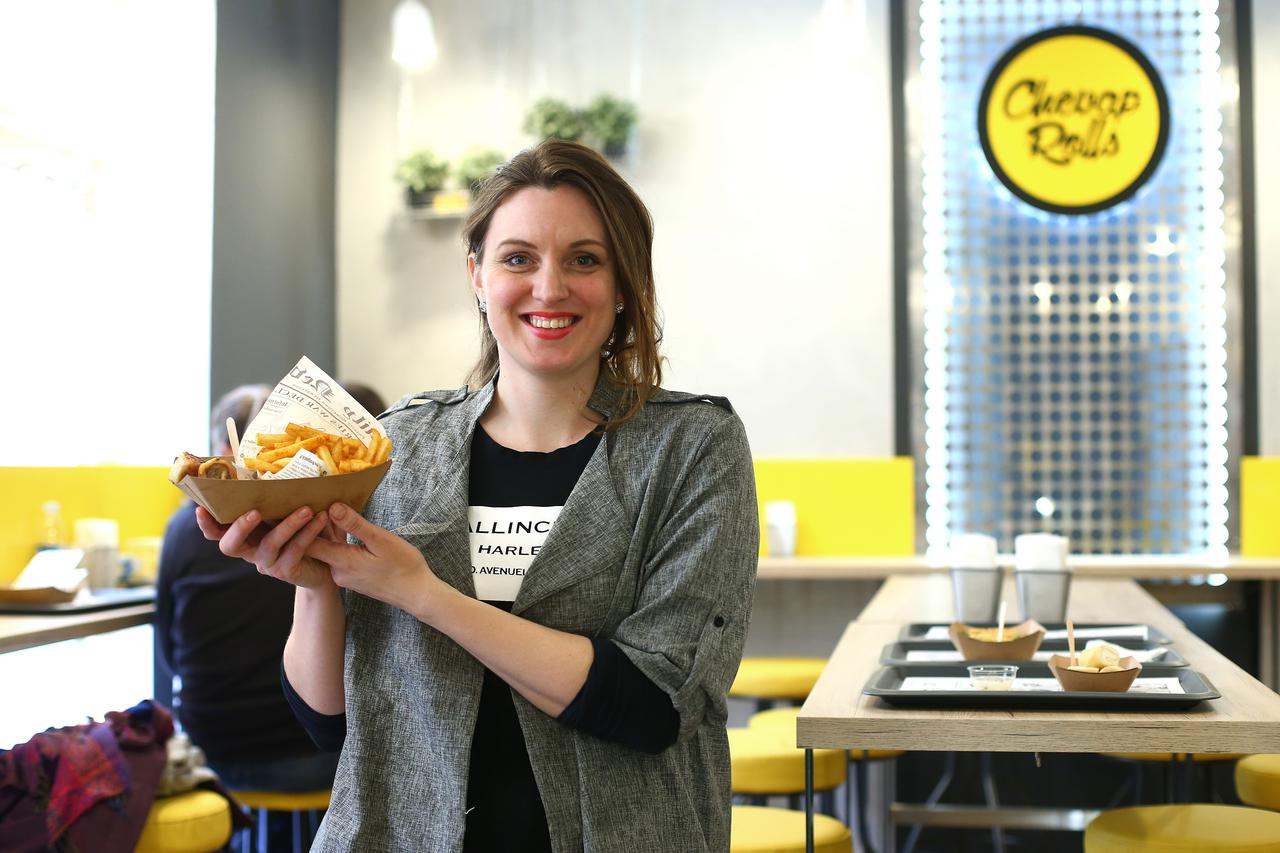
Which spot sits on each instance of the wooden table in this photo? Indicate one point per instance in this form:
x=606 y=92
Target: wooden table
x=837 y=714
x=25 y=632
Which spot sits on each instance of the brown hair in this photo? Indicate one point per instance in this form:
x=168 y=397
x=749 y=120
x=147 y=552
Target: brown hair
x=630 y=357
x=239 y=404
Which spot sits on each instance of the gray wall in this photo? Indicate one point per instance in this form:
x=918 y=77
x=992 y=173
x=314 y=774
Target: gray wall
x=274 y=155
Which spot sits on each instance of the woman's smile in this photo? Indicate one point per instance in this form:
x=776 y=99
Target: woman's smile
x=550 y=326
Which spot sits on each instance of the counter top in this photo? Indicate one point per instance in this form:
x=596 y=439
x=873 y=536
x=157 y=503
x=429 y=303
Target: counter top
x=1140 y=566
x=25 y=632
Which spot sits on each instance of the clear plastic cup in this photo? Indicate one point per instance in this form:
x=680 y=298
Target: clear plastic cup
x=991 y=676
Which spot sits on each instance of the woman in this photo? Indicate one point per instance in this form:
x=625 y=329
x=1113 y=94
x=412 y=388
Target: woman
x=586 y=710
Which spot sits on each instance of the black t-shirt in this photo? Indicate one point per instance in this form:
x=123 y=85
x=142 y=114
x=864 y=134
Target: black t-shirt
x=617 y=702
x=221 y=627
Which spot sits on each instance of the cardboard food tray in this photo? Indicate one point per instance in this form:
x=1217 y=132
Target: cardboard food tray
x=227 y=500
x=895 y=654
x=886 y=683
x=915 y=633
x=102 y=599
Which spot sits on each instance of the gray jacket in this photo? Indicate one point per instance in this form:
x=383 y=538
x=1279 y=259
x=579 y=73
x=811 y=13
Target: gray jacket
x=655 y=549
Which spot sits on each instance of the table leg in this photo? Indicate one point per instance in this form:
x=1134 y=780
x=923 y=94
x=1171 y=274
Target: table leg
x=1268 y=629
x=993 y=799
x=808 y=801
x=1188 y=776
x=888 y=771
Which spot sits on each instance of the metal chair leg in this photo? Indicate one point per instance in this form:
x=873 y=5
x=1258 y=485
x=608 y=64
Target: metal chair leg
x=262 y=831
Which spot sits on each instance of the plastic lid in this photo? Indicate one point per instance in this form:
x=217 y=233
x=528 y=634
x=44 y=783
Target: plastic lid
x=1040 y=551
x=973 y=551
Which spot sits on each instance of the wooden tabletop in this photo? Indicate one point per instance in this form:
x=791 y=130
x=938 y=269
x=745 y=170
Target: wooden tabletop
x=837 y=715
x=25 y=632
x=1123 y=566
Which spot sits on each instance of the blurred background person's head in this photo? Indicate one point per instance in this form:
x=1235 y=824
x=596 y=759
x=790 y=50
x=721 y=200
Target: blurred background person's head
x=365 y=396
x=239 y=404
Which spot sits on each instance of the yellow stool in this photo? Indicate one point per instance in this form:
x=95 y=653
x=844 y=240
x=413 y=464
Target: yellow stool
x=784 y=719
x=1196 y=828
x=1258 y=781
x=768 y=679
x=194 y=822
x=310 y=802
x=1172 y=760
x=757 y=829
x=765 y=761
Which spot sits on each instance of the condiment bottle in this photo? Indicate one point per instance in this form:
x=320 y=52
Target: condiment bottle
x=53 y=531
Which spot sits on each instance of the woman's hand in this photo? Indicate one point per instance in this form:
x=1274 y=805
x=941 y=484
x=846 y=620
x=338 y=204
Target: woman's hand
x=280 y=550
x=383 y=566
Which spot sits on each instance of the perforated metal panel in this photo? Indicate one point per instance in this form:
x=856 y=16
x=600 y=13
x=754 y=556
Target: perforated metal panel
x=1073 y=371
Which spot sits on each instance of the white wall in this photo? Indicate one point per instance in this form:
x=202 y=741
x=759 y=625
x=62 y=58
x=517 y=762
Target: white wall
x=763 y=153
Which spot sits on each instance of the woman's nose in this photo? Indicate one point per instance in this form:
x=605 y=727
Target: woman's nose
x=549 y=285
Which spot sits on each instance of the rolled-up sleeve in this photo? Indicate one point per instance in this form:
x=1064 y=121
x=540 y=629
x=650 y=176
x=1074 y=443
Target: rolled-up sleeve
x=690 y=623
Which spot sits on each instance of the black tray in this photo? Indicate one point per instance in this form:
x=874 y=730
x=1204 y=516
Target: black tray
x=915 y=633
x=895 y=654
x=886 y=683
x=103 y=599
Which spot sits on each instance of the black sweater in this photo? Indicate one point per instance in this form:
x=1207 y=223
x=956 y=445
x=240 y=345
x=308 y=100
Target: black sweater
x=220 y=626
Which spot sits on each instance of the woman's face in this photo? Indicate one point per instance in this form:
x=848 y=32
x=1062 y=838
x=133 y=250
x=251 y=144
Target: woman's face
x=547 y=277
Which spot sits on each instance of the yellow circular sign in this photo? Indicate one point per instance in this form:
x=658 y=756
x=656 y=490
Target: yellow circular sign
x=1073 y=119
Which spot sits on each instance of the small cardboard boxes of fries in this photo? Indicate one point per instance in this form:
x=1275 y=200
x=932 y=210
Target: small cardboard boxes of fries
x=311 y=445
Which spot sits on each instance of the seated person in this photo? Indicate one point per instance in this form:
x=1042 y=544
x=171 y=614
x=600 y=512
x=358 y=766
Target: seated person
x=221 y=627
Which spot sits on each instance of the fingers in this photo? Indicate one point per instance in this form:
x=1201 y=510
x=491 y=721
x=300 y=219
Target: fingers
x=209 y=526
x=269 y=548
x=350 y=521
x=236 y=537
x=297 y=547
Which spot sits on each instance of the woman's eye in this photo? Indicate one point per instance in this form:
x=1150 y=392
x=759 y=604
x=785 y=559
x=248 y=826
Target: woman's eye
x=585 y=261
x=516 y=260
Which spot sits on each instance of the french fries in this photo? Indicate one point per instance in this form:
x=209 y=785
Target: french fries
x=340 y=455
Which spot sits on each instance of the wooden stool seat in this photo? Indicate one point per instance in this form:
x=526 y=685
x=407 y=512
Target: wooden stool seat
x=1196 y=828
x=298 y=803
x=1258 y=781
x=760 y=829
x=766 y=761
x=194 y=822
x=776 y=678
x=785 y=719
x=284 y=801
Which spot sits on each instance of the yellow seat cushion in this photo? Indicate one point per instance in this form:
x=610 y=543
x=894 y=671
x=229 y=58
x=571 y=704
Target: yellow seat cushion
x=1258 y=781
x=1195 y=828
x=1179 y=756
x=777 y=678
x=278 y=801
x=766 y=761
x=194 y=822
x=785 y=718
x=757 y=829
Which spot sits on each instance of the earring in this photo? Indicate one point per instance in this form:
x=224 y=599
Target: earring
x=484 y=306
x=617 y=309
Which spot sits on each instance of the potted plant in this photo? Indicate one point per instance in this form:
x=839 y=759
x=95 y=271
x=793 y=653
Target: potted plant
x=611 y=121
x=550 y=118
x=476 y=166
x=423 y=175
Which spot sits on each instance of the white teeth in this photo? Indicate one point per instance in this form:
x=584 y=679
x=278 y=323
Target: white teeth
x=544 y=323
